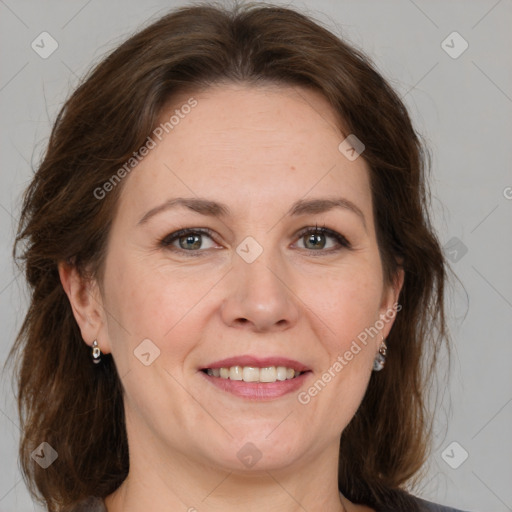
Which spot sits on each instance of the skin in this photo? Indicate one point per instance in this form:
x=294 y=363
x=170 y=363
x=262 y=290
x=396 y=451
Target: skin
x=258 y=150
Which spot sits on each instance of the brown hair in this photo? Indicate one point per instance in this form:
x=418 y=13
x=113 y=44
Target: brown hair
x=77 y=407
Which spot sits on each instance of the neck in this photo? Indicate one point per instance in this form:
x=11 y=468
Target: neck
x=160 y=483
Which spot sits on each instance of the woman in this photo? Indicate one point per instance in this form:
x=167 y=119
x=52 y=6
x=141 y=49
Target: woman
x=237 y=294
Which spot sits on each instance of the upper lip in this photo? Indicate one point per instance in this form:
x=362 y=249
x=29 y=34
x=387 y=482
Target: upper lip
x=258 y=362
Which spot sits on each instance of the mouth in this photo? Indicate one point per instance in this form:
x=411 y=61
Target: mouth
x=253 y=374
x=256 y=378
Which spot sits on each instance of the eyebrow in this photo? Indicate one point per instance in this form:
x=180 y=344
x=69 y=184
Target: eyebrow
x=214 y=209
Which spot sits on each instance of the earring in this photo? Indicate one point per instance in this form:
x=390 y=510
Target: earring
x=380 y=358
x=96 y=352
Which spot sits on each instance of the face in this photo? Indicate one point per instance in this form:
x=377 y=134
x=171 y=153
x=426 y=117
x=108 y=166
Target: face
x=249 y=284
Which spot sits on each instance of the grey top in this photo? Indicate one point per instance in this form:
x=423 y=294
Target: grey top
x=429 y=506
x=98 y=505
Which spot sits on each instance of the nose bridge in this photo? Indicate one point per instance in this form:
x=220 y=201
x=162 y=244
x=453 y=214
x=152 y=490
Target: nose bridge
x=259 y=291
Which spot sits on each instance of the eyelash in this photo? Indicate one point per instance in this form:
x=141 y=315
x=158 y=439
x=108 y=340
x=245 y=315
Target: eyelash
x=170 y=238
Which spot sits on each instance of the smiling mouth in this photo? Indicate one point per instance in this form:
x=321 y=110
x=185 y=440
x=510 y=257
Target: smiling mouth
x=254 y=374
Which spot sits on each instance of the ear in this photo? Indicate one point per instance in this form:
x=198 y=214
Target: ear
x=87 y=304
x=389 y=305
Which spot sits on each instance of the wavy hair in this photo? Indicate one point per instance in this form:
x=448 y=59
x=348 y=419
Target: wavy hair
x=77 y=407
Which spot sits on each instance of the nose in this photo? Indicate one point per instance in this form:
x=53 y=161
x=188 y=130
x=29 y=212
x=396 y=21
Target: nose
x=259 y=296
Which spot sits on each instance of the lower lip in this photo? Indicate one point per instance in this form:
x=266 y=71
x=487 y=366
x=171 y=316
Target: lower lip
x=258 y=390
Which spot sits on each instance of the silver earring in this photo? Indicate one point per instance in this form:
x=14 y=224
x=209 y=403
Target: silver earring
x=380 y=358
x=96 y=352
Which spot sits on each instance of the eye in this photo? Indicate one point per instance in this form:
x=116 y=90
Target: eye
x=190 y=240
x=315 y=239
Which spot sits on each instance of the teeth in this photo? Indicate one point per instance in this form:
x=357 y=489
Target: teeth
x=268 y=374
x=253 y=374
x=250 y=374
x=235 y=373
x=281 y=373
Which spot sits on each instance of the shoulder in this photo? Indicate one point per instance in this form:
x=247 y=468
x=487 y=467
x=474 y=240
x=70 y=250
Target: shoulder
x=93 y=504
x=406 y=502
x=429 y=506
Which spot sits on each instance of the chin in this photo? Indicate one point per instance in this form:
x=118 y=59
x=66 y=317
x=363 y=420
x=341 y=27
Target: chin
x=264 y=451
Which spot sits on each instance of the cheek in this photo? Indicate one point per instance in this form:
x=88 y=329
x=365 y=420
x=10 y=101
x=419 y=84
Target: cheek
x=346 y=308
x=345 y=312
x=153 y=302
x=347 y=300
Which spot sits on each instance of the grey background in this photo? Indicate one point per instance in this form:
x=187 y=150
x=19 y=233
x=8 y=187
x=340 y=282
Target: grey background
x=463 y=106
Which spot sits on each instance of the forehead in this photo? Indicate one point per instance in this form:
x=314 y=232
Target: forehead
x=269 y=145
